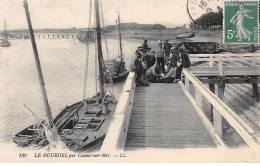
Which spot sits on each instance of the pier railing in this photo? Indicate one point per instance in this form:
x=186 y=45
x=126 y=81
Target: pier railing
x=221 y=110
x=211 y=58
x=116 y=136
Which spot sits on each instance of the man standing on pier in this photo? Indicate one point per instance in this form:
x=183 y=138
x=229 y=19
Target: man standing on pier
x=183 y=61
x=137 y=67
x=167 y=48
x=161 y=57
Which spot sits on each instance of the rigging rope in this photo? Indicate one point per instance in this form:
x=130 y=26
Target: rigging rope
x=103 y=22
x=87 y=53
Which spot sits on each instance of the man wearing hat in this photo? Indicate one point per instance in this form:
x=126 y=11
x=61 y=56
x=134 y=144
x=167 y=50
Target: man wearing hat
x=136 y=66
x=145 y=45
x=146 y=59
x=183 y=61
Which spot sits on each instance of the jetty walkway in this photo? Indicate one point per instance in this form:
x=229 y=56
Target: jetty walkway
x=162 y=116
x=172 y=115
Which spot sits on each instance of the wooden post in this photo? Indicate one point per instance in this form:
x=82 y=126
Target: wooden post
x=211 y=61
x=198 y=97
x=253 y=48
x=212 y=89
x=220 y=68
x=218 y=126
x=255 y=91
x=187 y=84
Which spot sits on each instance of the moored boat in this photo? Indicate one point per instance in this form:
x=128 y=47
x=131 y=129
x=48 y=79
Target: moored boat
x=185 y=35
x=80 y=126
x=198 y=47
x=115 y=68
x=5 y=42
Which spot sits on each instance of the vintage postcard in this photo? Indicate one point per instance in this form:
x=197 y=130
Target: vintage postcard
x=127 y=81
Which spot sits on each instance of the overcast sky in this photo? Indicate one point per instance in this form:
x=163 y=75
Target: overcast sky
x=74 y=13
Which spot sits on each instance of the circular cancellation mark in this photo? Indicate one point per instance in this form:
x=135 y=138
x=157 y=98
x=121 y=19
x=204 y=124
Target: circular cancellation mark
x=196 y=8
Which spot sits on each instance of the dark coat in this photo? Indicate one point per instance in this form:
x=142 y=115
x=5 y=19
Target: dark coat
x=152 y=60
x=167 y=47
x=185 y=59
x=136 y=65
x=174 y=59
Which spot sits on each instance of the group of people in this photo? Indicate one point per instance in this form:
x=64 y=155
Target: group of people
x=163 y=66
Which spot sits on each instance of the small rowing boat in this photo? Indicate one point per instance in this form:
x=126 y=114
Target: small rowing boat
x=185 y=35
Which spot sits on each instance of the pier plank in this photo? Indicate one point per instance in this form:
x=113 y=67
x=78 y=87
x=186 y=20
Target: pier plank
x=163 y=117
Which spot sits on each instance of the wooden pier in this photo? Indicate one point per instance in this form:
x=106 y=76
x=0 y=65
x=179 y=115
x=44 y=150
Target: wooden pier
x=162 y=116
x=45 y=36
x=171 y=116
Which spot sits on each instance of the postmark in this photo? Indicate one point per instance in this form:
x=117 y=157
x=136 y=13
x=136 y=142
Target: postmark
x=197 y=8
x=240 y=20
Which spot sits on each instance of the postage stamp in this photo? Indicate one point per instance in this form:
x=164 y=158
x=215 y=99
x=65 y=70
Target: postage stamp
x=241 y=22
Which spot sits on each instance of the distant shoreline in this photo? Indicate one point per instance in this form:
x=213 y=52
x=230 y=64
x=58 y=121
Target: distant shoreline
x=152 y=35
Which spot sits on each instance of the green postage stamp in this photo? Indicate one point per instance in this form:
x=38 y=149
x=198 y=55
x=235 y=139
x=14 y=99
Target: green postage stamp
x=241 y=22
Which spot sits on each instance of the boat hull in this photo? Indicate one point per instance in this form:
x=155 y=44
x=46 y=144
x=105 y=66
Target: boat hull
x=5 y=44
x=185 y=35
x=198 y=47
x=80 y=126
x=121 y=77
x=116 y=71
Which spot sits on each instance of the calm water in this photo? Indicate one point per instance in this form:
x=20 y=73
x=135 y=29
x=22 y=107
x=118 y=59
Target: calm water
x=62 y=62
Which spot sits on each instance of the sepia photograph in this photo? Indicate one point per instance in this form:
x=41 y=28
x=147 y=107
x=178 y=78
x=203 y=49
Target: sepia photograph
x=129 y=81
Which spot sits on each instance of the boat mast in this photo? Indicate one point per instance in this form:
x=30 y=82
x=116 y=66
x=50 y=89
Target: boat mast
x=120 y=39
x=100 y=55
x=5 y=31
x=38 y=65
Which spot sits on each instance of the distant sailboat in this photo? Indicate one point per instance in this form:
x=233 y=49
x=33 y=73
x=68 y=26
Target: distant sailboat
x=116 y=70
x=5 y=42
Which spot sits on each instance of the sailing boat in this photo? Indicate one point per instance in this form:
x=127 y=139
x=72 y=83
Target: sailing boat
x=117 y=71
x=5 y=42
x=82 y=125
